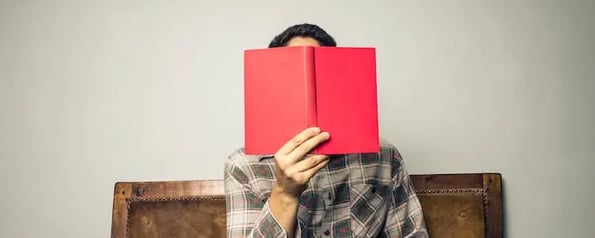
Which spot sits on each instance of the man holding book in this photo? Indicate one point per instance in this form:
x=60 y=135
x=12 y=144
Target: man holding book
x=297 y=193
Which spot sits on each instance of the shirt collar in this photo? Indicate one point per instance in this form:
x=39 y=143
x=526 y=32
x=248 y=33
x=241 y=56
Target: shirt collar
x=259 y=157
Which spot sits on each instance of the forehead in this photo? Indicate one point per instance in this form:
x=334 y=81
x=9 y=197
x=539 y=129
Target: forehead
x=303 y=41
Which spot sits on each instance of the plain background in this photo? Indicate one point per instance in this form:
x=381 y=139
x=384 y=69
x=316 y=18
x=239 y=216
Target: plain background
x=94 y=92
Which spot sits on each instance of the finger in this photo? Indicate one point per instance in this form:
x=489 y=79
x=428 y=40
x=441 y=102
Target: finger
x=309 y=145
x=298 y=140
x=306 y=164
x=306 y=175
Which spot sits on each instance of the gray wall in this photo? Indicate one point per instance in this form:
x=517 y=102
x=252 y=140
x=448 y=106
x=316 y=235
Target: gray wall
x=97 y=92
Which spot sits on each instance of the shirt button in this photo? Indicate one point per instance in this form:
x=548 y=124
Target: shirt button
x=327 y=233
x=329 y=196
x=373 y=190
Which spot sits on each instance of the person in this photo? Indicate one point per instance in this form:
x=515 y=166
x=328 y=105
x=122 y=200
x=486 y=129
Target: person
x=296 y=194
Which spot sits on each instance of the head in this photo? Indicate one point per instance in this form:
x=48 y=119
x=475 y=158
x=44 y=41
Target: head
x=303 y=34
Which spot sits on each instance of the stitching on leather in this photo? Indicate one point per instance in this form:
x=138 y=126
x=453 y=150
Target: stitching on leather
x=486 y=205
x=485 y=211
x=167 y=198
x=452 y=190
x=127 y=216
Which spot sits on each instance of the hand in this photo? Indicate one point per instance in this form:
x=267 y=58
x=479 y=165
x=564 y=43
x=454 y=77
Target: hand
x=294 y=167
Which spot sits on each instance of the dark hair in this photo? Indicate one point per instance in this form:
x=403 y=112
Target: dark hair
x=303 y=30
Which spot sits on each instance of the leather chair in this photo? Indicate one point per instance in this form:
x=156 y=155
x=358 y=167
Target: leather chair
x=454 y=205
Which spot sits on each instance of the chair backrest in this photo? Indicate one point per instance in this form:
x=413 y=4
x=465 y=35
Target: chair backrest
x=454 y=205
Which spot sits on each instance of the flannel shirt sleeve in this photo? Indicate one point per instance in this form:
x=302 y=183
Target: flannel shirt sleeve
x=247 y=214
x=405 y=217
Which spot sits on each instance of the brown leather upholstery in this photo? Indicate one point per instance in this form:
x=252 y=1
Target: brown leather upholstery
x=455 y=205
x=461 y=205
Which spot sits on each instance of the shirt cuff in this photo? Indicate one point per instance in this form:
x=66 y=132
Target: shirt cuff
x=267 y=225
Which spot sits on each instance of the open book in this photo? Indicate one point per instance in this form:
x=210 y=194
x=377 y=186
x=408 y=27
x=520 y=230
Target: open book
x=289 y=89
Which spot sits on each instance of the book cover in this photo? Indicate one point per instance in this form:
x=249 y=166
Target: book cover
x=288 y=89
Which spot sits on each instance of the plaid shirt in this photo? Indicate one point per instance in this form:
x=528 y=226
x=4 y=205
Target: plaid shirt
x=354 y=195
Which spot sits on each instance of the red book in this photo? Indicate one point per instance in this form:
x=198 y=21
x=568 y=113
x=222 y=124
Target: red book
x=289 y=89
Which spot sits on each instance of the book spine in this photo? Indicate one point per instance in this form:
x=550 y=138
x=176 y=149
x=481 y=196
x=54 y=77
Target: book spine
x=310 y=81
